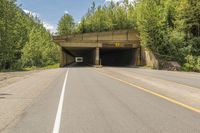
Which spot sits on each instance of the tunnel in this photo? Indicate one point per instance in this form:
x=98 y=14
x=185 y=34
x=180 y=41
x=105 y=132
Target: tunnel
x=117 y=56
x=88 y=55
x=102 y=56
x=111 y=48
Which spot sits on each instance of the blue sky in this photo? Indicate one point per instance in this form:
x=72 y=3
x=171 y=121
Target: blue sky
x=50 y=11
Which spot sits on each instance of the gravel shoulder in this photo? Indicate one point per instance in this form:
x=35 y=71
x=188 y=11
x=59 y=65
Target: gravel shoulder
x=21 y=90
x=8 y=78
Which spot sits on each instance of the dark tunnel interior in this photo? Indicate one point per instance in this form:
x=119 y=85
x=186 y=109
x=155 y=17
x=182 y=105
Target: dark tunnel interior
x=107 y=56
x=117 y=57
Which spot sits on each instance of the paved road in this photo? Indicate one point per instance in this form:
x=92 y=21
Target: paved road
x=95 y=103
x=190 y=79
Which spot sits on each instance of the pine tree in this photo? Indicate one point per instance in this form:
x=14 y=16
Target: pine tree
x=66 y=25
x=15 y=30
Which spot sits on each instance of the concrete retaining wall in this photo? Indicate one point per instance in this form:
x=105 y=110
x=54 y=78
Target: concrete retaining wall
x=149 y=59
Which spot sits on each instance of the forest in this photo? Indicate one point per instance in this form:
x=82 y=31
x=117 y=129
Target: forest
x=24 y=42
x=169 y=28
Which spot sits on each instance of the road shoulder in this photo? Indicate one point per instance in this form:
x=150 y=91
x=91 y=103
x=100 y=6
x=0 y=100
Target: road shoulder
x=15 y=98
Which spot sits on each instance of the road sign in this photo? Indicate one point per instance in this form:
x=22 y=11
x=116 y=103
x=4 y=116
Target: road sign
x=117 y=44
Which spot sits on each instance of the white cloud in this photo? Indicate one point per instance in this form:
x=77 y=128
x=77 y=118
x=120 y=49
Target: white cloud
x=34 y=14
x=66 y=12
x=115 y=1
x=49 y=27
x=131 y=0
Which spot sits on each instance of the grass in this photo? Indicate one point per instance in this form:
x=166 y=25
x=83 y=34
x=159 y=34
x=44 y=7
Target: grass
x=33 y=68
x=41 y=68
x=11 y=70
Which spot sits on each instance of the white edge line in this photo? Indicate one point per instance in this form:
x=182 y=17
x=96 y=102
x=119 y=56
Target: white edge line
x=60 y=106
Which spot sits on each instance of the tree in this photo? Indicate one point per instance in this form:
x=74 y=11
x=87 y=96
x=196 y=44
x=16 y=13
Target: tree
x=8 y=34
x=150 y=22
x=188 y=21
x=112 y=16
x=66 y=25
x=39 y=50
x=189 y=17
x=15 y=29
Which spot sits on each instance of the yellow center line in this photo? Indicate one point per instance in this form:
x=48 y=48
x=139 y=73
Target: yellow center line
x=152 y=92
x=156 y=78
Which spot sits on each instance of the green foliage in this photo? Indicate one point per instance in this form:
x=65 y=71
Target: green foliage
x=156 y=24
x=192 y=55
x=149 y=13
x=113 y=16
x=192 y=63
x=194 y=46
x=15 y=33
x=188 y=17
x=9 y=34
x=66 y=25
x=188 y=21
x=170 y=29
x=39 y=50
x=41 y=68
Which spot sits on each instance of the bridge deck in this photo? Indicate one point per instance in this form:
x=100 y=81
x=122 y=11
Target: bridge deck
x=114 y=47
x=122 y=38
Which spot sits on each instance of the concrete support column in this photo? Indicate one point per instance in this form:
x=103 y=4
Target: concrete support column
x=138 y=57
x=97 y=56
x=62 y=57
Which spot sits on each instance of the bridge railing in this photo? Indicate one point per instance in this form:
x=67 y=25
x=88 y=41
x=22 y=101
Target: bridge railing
x=121 y=35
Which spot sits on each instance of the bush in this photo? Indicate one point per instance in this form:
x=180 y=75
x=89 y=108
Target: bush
x=197 y=65
x=192 y=63
x=39 y=51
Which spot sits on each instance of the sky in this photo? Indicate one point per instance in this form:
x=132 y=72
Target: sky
x=50 y=11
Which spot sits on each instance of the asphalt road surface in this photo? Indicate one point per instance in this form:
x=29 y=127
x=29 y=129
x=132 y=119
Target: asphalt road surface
x=82 y=100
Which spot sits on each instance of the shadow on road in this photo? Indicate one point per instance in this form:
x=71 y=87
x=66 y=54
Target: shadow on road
x=2 y=95
x=5 y=94
x=84 y=65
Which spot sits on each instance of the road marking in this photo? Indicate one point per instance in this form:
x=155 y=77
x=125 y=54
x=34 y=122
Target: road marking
x=56 y=128
x=169 y=81
x=153 y=93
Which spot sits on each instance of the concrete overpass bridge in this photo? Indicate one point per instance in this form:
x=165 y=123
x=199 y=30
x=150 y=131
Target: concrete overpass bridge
x=115 y=48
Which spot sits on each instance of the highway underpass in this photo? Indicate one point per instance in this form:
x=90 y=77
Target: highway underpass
x=107 y=56
x=116 y=48
x=118 y=57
